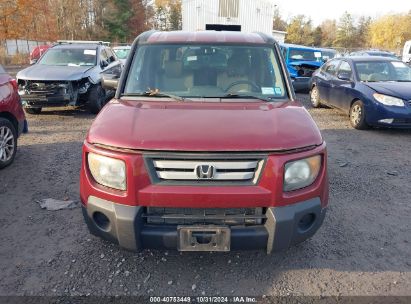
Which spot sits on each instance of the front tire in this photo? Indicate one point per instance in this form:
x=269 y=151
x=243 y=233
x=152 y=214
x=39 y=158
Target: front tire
x=357 y=116
x=96 y=99
x=34 y=111
x=8 y=142
x=315 y=97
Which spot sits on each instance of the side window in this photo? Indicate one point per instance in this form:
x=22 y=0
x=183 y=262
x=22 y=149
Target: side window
x=331 y=67
x=345 y=68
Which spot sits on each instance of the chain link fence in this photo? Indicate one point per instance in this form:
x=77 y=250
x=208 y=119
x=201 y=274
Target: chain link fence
x=16 y=51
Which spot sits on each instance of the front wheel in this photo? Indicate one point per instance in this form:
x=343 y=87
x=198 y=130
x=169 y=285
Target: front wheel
x=315 y=97
x=357 y=116
x=8 y=142
x=96 y=99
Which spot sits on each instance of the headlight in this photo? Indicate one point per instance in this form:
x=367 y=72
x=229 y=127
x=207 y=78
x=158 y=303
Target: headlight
x=108 y=171
x=389 y=100
x=301 y=173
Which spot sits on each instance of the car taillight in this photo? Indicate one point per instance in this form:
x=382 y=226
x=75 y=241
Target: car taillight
x=13 y=82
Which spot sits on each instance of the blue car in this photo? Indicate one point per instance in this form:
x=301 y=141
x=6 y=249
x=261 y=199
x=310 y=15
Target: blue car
x=301 y=63
x=373 y=91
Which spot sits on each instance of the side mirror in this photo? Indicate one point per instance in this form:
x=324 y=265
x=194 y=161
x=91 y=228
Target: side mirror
x=111 y=77
x=344 y=76
x=103 y=63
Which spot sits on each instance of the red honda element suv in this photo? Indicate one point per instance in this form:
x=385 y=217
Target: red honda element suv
x=204 y=148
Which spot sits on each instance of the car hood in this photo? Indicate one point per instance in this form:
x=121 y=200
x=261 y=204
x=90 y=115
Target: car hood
x=48 y=72
x=313 y=64
x=397 y=89
x=192 y=126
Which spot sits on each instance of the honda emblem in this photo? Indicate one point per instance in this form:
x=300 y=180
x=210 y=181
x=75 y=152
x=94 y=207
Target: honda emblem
x=205 y=171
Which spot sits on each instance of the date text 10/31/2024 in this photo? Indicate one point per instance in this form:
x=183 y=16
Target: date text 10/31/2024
x=204 y=299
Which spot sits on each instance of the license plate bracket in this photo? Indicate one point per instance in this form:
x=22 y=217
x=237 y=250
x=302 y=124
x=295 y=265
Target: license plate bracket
x=204 y=238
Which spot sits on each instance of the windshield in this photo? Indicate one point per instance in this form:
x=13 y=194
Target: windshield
x=121 y=53
x=69 y=57
x=383 y=71
x=206 y=71
x=306 y=55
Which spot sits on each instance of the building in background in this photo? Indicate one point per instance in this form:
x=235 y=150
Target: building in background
x=279 y=36
x=234 y=15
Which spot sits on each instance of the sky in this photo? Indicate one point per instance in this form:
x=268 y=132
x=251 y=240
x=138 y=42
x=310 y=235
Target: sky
x=319 y=10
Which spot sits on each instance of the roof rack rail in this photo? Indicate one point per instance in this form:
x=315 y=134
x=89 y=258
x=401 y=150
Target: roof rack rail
x=83 y=42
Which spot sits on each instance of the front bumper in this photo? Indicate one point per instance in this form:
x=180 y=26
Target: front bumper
x=127 y=227
x=37 y=101
x=378 y=114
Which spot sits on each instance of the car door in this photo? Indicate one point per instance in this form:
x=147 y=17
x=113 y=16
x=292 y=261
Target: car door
x=324 y=79
x=342 y=85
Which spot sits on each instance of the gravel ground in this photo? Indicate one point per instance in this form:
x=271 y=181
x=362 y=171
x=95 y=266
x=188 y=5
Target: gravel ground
x=363 y=248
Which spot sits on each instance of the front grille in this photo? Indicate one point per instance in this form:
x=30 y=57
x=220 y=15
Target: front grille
x=204 y=216
x=47 y=88
x=206 y=170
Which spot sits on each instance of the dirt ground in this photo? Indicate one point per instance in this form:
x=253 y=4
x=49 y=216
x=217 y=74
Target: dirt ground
x=363 y=248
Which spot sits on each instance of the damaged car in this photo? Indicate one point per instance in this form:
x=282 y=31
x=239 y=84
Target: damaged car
x=301 y=63
x=68 y=74
x=217 y=155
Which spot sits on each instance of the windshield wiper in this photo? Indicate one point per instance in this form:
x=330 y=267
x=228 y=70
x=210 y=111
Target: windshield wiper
x=233 y=95
x=155 y=93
